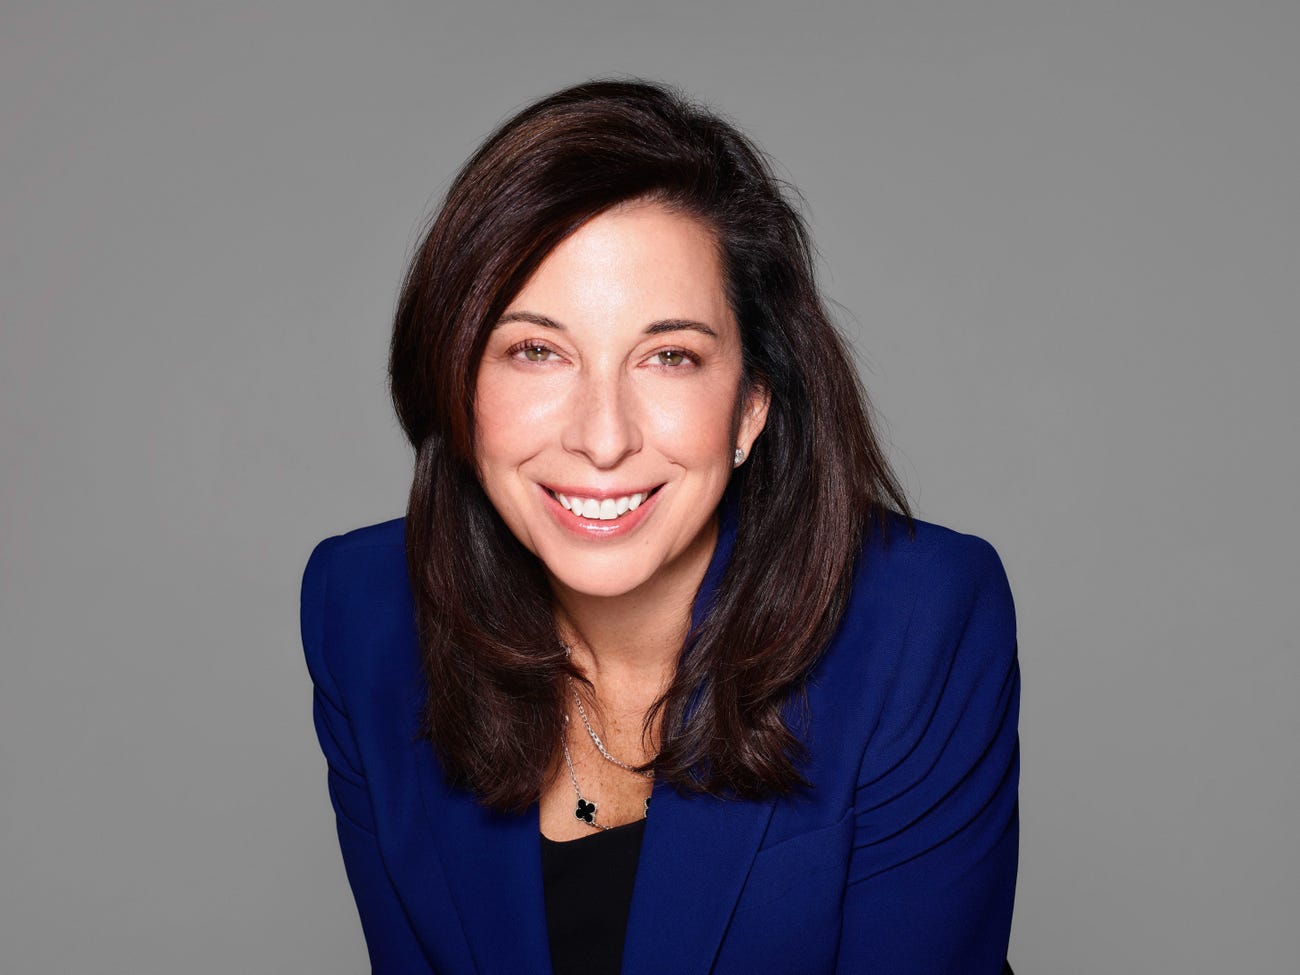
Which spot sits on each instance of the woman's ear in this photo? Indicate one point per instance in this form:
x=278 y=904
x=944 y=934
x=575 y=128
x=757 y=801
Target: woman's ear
x=753 y=416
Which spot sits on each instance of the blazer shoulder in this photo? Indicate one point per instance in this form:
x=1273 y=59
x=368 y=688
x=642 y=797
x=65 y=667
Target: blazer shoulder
x=354 y=590
x=384 y=534
x=933 y=562
x=929 y=636
x=338 y=556
x=922 y=604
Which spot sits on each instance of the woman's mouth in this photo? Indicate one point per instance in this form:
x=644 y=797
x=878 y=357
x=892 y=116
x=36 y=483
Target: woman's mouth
x=602 y=509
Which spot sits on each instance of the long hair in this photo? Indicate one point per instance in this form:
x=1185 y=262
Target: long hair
x=815 y=483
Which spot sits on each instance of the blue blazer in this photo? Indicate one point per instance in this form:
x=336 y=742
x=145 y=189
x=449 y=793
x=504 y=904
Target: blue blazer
x=900 y=859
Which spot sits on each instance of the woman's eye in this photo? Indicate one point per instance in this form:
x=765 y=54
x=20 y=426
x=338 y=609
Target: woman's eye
x=672 y=357
x=534 y=353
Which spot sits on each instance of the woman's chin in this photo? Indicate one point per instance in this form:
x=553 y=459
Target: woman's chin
x=596 y=584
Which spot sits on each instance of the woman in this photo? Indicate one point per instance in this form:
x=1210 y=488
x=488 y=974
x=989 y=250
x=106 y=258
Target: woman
x=658 y=673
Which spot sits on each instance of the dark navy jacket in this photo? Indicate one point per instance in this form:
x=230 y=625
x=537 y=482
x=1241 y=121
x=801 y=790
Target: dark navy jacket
x=901 y=860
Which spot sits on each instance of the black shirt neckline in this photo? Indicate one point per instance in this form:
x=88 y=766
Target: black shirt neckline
x=587 y=885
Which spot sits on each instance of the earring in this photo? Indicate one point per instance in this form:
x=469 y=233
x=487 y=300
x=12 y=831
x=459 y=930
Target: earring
x=739 y=459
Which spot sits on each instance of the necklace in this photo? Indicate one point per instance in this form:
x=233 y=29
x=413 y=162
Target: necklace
x=595 y=738
x=585 y=810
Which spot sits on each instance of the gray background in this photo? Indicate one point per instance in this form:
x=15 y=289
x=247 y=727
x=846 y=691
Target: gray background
x=1063 y=238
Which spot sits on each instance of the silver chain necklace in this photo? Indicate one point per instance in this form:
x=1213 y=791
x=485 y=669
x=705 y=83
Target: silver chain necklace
x=595 y=738
x=585 y=810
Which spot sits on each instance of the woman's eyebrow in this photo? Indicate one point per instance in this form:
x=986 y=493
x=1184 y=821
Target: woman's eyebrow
x=678 y=325
x=528 y=316
x=654 y=328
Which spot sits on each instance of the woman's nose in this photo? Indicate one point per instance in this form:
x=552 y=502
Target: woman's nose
x=602 y=423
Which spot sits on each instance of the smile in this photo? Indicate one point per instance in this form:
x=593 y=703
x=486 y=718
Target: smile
x=602 y=509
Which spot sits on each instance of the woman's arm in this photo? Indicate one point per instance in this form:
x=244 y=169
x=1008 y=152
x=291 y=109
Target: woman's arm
x=389 y=938
x=933 y=872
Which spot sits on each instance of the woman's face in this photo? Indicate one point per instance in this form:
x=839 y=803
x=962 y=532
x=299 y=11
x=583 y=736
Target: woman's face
x=606 y=403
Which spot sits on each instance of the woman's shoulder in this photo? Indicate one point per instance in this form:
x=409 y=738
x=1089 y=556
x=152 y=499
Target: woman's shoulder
x=927 y=642
x=340 y=561
x=928 y=561
x=356 y=607
x=927 y=601
x=382 y=535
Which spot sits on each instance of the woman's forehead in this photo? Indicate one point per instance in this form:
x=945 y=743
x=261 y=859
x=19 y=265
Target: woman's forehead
x=632 y=265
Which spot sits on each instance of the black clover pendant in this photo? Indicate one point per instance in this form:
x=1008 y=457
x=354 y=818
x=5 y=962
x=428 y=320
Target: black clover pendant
x=586 y=811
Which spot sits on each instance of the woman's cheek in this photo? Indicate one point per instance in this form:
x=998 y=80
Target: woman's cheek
x=510 y=404
x=697 y=420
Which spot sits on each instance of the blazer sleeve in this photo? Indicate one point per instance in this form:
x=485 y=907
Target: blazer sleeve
x=390 y=939
x=932 y=874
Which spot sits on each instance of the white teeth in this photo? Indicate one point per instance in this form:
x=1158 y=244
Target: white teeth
x=604 y=509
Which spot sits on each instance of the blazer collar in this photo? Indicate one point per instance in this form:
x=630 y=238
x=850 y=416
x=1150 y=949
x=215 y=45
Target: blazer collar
x=695 y=858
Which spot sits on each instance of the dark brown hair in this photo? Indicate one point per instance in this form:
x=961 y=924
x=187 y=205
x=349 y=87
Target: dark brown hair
x=816 y=480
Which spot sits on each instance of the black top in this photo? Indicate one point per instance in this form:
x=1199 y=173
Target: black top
x=588 y=887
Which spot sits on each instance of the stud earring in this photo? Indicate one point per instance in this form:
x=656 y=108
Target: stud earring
x=739 y=458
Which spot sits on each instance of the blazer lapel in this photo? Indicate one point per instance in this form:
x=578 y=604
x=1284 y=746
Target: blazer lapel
x=493 y=864
x=695 y=857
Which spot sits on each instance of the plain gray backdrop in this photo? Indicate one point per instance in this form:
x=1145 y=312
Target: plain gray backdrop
x=1064 y=239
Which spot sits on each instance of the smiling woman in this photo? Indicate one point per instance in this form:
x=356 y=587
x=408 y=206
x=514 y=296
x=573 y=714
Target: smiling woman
x=622 y=407
x=654 y=559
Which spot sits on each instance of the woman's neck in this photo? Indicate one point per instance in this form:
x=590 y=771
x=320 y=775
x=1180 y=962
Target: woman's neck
x=629 y=644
